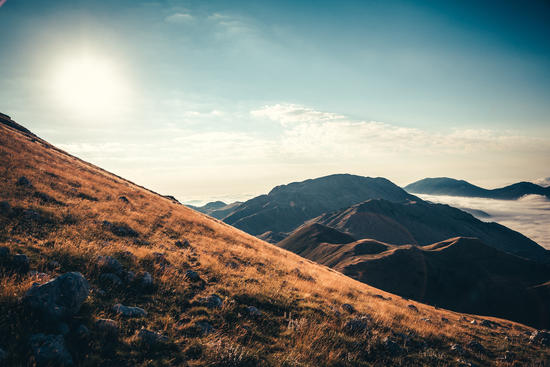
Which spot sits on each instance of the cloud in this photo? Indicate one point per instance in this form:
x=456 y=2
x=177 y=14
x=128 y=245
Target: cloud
x=530 y=215
x=289 y=114
x=544 y=182
x=179 y=18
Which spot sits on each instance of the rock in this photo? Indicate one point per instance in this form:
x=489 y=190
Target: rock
x=124 y=199
x=457 y=348
x=473 y=322
x=4 y=252
x=52 y=265
x=205 y=327
x=348 y=308
x=182 y=244
x=160 y=259
x=5 y=208
x=391 y=347
x=356 y=326
x=82 y=331
x=32 y=215
x=129 y=312
x=541 y=337
x=192 y=275
x=129 y=276
x=487 y=323
x=509 y=356
x=427 y=320
x=110 y=278
x=212 y=301
x=108 y=264
x=59 y=298
x=146 y=280
x=476 y=347
x=445 y=320
x=21 y=263
x=150 y=339
x=50 y=350
x=120 y=229
x=412 y=307
x=23 y=181
x=107 y=328
x=253 y=311
x=62 y=328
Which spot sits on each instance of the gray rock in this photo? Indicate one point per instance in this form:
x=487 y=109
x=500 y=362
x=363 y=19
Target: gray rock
x=146 y=280
x=59 y=298
x=348 y=308
x=110 y=278
x=124 y=199
x=509 y=356
x=476 y=347
x=457 y=348
x=21 y=263
x=412 y=307
x=183 y=244
x=108 y=264
x=23 y=181
x=205 y=327
x=445 y=320
x=129 y=312
x=356 y=326
x=192 y=275
x=473 y=322
x=150 y=339
x=391 y=347
x=487 y=323
x=541 y=337
x=5 y=208
x=253 y=311
x=212 y=301
x=107 y=328
x=50 y=350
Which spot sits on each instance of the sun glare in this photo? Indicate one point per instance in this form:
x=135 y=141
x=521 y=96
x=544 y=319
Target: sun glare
x=90 y=86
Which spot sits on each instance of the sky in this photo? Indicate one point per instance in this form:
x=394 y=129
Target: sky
x=208 y=100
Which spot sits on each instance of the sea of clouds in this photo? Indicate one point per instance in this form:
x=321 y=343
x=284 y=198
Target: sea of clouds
x=529 y=215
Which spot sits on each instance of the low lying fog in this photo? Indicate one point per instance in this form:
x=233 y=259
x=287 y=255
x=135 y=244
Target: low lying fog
x=529 y=215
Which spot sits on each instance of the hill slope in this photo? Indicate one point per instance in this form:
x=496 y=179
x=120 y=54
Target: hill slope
x=288 y=206
x=422 y=223
x=462 y=274
x=208 y=294
x=452 y=187
x=216 y=209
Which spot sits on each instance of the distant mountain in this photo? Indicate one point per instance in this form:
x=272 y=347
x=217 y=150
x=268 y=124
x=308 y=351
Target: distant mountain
x=461 y=274
x=452 y=187
x=422 y=223
x=289 y=206
x=216 y=209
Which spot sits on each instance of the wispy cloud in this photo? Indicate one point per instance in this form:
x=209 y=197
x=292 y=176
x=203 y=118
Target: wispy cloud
x=179 y=17
x=529 y=215
x=544 y=181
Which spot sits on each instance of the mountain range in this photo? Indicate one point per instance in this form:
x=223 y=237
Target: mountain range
x=452 y=187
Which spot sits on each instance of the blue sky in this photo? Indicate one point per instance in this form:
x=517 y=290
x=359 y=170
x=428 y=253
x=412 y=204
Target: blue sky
x=225 y=99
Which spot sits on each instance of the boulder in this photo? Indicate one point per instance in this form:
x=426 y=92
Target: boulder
x=192 y=276
x=182 y=244
x=124 y=199
x=145 y=280
x=205 y=327
x=391 y=347
x=476 y=347
x=50 y=350
x=412 y=308
x=253 y=311
x=21 y=263
x=457 y=348
x=110 y=278
x=23 y=181
x=348 y=308
x=129 y=276
x=150 y=339
x=107 y=328
x=108 y=264
x=5 y=208
x=4 y=252
x=59 y=298
x=212 y=301
x=129 y=312
x=356 y=326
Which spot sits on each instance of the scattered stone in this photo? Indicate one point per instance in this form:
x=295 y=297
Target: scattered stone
x=473 y=322
x=391 y=347
x=23 y=181
x=160 y=259
x=348 y=308
x=445 y=320
x=182 y=244
x=82 y=331
x=253 y=311
x=107 y=328
x=356 y=326
x=5 y=208
x=59 y=298
x=4 y=252
x=541 y=337
x=412 y=307
x=476 y=347
x=21 y=263
x=124 y=199
x=111 y=278
x=129 y=312
x=50 y=350
x=150 y=339
x=108 y=264
x=212 y=301
x=426 y=320
x=192 y=275
x=457 y=349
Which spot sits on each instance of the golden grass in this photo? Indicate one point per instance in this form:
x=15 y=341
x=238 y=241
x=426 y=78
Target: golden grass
x=298 y=298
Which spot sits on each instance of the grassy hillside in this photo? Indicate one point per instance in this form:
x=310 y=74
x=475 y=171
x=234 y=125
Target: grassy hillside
x=271 y=307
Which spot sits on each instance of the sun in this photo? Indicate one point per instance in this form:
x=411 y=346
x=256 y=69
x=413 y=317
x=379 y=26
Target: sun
x=90 y=86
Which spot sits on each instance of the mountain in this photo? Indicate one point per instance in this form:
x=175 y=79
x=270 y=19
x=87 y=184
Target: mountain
x=216 y=209
x=98 y=271
x=288 y=206
x=461 y=274
x=422 y=223
x=452 y=187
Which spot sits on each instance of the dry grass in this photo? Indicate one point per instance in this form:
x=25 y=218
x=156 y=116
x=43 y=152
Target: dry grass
x=302 y=320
